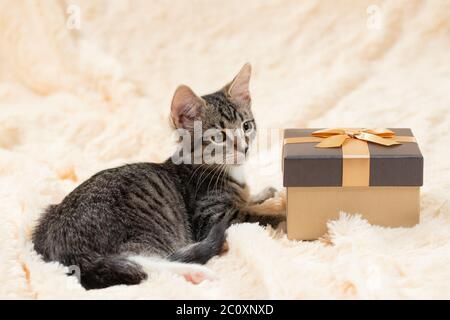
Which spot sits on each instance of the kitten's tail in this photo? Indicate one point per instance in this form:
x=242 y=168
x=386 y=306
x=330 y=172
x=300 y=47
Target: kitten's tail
x=111 y=270
x=201 y=252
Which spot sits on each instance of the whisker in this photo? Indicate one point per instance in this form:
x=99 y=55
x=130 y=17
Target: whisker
x=224 y=174
x=212 y=178
x=221 y=170
x=198 y=184
x=203 y=180
x=195 y=171
x=227 y=170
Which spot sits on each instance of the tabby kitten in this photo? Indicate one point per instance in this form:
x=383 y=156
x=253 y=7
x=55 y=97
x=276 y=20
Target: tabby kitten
x=126 y=222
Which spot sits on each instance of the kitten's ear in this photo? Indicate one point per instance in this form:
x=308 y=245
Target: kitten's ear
x=186 y=107
x=238 y=89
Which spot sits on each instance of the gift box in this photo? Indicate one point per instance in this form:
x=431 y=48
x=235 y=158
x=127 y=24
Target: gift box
x=376 y=173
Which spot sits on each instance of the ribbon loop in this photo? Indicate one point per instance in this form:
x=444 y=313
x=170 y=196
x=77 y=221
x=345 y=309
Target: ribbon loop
x=369 y=137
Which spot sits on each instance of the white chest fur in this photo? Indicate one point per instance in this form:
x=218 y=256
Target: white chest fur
x=238 y=173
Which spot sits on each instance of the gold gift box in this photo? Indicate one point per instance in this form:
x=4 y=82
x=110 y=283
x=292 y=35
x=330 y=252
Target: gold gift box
x=375 y=173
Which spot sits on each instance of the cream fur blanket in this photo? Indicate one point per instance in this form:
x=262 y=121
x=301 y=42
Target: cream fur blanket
x=73 y=102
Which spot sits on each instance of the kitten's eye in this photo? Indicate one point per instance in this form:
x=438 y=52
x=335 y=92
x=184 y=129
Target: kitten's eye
x=219 y=137
x=248 y=126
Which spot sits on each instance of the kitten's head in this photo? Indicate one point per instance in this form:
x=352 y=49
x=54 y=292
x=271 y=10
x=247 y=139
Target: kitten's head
x=225 y=118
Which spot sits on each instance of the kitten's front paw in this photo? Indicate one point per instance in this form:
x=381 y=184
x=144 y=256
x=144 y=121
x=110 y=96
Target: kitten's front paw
x=264 y=195
x=269 y=192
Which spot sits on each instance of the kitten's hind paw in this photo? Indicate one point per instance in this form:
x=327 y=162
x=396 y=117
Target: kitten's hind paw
x=192 y=272
x=198 y=275
x=195 y=278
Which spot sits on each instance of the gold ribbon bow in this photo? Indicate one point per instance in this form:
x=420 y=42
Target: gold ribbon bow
x=355 y=149
x=336 y=137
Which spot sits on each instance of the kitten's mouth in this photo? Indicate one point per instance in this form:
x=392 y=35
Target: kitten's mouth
x=239 y=157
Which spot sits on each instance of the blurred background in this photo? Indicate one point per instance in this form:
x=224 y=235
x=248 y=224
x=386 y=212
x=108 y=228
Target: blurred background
x=86 y=85
x=97 y=77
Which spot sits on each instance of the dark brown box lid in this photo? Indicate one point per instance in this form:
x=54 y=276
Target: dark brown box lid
x=304 y=165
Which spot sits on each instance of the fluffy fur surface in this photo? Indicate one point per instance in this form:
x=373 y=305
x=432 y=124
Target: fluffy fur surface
x=73 y=102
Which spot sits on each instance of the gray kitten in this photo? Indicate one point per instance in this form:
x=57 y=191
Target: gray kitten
x=126 y=222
